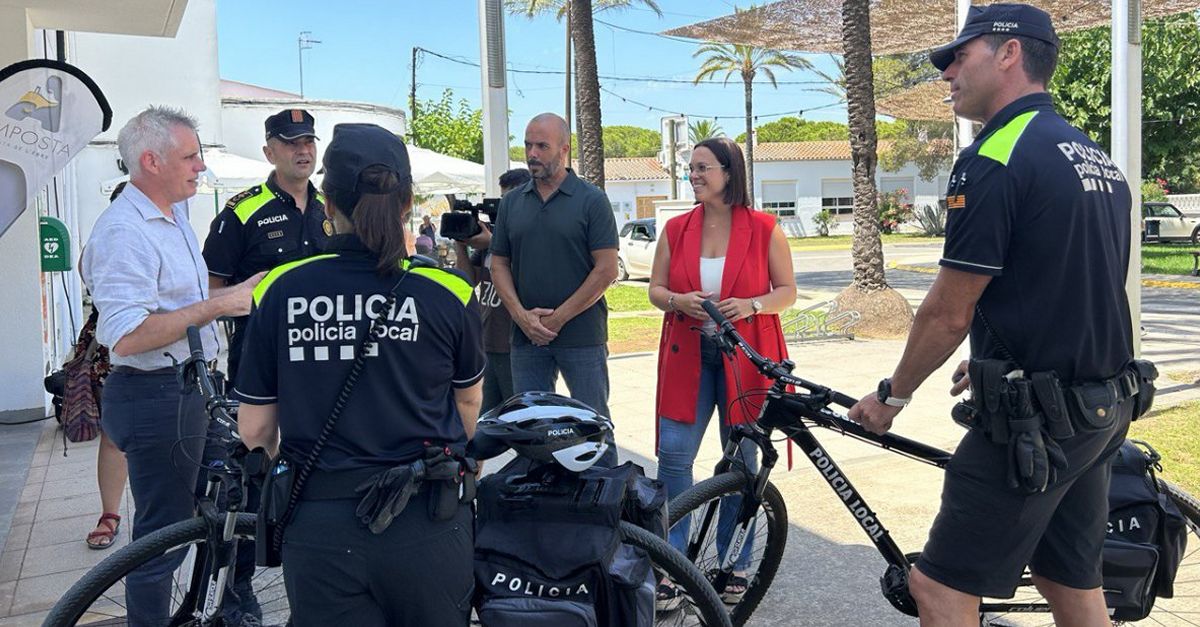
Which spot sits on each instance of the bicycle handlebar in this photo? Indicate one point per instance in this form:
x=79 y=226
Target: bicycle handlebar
x=195 y=369
x=779 y=371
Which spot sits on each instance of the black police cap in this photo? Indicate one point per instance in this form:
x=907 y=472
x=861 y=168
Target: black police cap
x=356 y=147
x=1004 y=19
x=290 y=124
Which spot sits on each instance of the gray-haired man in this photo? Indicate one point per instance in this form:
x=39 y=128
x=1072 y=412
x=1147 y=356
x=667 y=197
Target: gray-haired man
x=149 y=282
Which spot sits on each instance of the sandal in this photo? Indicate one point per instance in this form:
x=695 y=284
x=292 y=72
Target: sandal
x=735 y=589
x=667 y=598
x=103 y=539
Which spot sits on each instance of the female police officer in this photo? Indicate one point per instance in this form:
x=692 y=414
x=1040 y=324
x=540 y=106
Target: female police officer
x=417 y=391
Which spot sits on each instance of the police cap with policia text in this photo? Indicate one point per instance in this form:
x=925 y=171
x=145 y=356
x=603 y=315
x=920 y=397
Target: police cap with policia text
x=290 y=125
x=1002 y=19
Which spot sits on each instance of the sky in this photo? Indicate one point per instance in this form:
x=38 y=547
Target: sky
x=365 y=54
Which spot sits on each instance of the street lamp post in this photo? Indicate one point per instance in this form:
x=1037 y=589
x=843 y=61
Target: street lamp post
x=304 y=42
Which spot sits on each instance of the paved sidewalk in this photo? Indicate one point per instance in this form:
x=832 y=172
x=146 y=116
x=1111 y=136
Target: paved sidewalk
x=830 y=573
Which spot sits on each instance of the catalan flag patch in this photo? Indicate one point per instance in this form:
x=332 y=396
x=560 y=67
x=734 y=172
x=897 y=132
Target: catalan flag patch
x=956 y=202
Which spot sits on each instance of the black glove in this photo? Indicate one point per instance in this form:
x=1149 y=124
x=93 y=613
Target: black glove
x=387 y=494
x=1034 y=459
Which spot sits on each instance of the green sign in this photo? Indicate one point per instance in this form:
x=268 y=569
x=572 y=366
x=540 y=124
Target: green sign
x=55 y=244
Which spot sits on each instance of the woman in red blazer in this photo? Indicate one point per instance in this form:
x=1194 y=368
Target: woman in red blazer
x=726 y=252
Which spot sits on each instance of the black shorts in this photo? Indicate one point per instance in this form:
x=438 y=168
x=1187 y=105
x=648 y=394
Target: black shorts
x=986 y=533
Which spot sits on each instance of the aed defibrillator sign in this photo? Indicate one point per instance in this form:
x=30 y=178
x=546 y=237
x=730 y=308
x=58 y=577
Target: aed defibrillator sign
x=54 y=241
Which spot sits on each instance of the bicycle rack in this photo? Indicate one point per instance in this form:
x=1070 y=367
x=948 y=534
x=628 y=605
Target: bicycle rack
x=822 y=321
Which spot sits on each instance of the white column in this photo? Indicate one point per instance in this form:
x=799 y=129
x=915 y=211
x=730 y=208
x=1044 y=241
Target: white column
x=1127 y=137
x=21 y=369
x=495 y=93
x=964 y=132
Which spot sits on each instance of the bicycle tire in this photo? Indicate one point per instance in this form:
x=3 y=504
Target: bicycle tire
x=1182 y=609
x=705 y=604
x=773 y=514
x=89 y=595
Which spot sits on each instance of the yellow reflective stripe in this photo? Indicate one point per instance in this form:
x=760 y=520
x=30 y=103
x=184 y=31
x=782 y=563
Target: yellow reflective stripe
x=999 y=145
x=247 y=207
x=261 y=289
x=452 y=282
x=320 y=198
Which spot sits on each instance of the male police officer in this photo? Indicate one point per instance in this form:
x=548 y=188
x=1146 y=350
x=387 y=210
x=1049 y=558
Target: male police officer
x=278 y=221
x=1037 y=245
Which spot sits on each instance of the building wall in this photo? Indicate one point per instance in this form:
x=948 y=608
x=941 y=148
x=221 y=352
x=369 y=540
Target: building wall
x=624 y=194
x=808 y=176
x=242 y=121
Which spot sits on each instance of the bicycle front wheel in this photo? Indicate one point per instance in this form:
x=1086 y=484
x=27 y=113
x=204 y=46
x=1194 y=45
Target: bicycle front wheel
x=98 y=598
x=701 y=605
x=701 y=509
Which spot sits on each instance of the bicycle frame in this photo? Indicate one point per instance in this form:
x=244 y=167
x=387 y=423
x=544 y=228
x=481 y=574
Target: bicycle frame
x=788 y=412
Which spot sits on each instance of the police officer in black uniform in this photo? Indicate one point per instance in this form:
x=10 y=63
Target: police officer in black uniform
x=418 y=390
x=271 y=223
x=1037 y=248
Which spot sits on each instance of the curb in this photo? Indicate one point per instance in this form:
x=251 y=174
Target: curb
x=1179 y=285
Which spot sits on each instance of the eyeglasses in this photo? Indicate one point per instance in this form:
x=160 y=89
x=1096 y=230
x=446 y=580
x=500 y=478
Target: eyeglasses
x=703 y=168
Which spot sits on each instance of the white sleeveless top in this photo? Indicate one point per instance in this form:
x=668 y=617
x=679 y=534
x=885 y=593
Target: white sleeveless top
x=711 y=270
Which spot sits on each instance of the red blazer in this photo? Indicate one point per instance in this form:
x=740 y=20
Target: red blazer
x=746 y=276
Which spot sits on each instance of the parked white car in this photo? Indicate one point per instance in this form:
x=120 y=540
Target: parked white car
x=636 y=253
x=1162 y=222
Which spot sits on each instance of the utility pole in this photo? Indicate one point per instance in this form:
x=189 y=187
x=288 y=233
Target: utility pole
x=412 y=99
x=567 y=108
x=304 y=42
x=494 y=81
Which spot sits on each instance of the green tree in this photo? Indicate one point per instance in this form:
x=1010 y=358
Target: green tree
x=793 y=129
x=1170 y=101
x=701 y=130
x=748 y=62
x=454 y=129
x=587 y=82
x=631 y=141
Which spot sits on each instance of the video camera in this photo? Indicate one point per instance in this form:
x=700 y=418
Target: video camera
x=462 y=221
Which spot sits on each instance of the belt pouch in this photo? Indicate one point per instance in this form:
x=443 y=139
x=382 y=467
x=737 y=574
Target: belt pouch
x=1049 y=394
x=276 y=492
x=1144 y=373
x=990 y=391
x=1094 y=405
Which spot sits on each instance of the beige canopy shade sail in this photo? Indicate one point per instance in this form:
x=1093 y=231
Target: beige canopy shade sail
x=897 y=26
x=923 y=102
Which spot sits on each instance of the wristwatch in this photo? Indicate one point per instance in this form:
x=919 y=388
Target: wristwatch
x=884 y=394
x=756 y=305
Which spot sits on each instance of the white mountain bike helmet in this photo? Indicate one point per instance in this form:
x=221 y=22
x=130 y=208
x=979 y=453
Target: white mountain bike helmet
x=544 y=427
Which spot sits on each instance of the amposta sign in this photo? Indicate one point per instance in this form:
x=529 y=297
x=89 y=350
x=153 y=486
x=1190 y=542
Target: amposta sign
x=51 y=110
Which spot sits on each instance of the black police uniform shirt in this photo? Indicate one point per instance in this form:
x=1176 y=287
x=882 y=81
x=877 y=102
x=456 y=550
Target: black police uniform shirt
x=1041 y=208
x=309 y=320
x=261 y=228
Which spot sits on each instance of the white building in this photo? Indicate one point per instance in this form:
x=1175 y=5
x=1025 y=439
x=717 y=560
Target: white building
x=796 y=180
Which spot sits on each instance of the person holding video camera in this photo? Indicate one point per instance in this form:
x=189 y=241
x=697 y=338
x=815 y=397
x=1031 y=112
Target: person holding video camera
x=497 y=323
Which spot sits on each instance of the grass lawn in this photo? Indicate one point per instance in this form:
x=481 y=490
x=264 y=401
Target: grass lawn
x=636 y=334
x=843 y=241
x=1167 y=258
x=628 y=298
x=1175 y=434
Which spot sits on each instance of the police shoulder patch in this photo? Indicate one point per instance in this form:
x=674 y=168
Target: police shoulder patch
x=237 y=199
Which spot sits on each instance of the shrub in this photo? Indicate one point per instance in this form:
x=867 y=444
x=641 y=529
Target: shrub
x=932 y=220
x=824 y=220
x=893 y=210
x=1154 y=190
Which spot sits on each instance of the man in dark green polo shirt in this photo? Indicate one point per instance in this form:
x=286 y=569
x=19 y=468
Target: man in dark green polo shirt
x=554 y=252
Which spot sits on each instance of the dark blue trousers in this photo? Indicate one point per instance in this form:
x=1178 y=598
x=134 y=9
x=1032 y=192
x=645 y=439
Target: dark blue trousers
x=161 y=431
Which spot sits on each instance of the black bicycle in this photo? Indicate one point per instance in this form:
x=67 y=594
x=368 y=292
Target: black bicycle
x=200 y=596
x=753 y=545
x=200 y=590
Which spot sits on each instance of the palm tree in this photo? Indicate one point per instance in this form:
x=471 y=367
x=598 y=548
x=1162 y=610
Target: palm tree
x=747 y=61
x=867 y=248
x=701 y=130
x=587 y=83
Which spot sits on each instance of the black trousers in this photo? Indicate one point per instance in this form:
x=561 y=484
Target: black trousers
x=417 y=573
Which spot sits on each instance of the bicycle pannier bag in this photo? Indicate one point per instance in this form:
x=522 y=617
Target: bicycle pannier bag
x=1147 y=536
x=548 y=547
